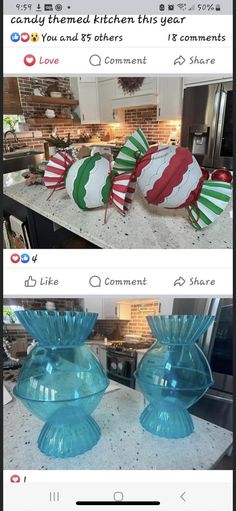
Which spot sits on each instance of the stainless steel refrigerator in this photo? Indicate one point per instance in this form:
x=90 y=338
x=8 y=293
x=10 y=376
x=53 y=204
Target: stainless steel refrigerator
x=207 y=124
x=217 y=344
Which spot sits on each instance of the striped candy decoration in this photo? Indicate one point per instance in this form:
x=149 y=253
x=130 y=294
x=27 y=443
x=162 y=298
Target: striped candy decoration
x=56 y=169
x=91 y=184
x=169 y=176
x=122 y=191
x=135 y=146
x=211 y=202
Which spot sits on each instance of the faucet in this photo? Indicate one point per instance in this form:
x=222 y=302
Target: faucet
x=8 y=147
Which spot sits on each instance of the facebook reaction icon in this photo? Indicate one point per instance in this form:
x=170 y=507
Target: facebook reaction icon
x=25 y=258
x=15 y=37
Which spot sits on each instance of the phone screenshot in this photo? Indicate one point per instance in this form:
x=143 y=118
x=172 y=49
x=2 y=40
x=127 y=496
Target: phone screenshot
x=117 y=256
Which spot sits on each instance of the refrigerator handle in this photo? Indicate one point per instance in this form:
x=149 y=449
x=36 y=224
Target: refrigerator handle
x=207 y=341
x=217 y=88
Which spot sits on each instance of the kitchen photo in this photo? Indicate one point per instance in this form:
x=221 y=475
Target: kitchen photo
x=118 y=383
x=118 y=162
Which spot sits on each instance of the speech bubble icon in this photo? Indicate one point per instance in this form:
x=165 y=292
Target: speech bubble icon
x=95 y=60
x=95 y=281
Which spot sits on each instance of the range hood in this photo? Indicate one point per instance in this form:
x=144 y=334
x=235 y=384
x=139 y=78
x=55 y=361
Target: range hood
x=134 y=101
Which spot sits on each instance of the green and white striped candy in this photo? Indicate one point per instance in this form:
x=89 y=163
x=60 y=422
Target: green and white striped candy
x=88 y=181
x=211 y=202
x=135 y=147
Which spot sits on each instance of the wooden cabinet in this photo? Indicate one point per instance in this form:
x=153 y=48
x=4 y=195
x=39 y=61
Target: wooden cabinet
x=11 y=97
x=170 y=96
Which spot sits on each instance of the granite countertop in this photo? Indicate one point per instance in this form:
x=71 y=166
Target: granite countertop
x=143 y=227
x=124 y=445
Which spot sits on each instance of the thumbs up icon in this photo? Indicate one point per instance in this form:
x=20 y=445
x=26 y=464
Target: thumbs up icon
x=30 y=282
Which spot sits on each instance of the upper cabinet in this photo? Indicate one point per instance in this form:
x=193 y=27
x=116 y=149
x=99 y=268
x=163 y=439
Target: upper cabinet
x=116 y=310
x=203 y=79
x=11 y=97
x=93 y=304
x=106 y=308
x=106 y=92
x=95 y=99
x=101 y=100
x=170 y=96
x=164 y=93
x=89 y=103
x=86 y=92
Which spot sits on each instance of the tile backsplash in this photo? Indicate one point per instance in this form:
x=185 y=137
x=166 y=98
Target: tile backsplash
x=137 y=325
x=146 y=118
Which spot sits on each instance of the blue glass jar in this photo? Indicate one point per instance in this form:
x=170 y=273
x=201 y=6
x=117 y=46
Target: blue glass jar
x=173 y=374
x=61 y=381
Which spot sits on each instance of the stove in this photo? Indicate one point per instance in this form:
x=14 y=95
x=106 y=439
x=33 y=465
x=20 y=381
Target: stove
x=122 y=361
x=129 y=348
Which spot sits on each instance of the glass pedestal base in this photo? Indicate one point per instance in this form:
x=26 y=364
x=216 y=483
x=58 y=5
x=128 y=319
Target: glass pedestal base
x=68 y=433
x=167 y=418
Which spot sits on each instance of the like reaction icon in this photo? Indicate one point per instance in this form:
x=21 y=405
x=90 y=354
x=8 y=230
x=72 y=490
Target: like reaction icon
x=30 y=282
x=15 y=37
x=25 y=258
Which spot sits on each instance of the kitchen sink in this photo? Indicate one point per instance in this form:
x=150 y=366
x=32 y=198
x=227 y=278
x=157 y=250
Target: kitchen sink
x=20 y=160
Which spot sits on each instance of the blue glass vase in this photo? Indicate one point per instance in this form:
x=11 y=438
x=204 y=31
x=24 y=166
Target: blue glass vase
x=173 y=374
x=61 y=381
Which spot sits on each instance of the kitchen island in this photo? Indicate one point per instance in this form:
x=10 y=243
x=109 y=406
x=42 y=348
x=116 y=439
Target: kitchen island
x=143 y=227
x=124 y=445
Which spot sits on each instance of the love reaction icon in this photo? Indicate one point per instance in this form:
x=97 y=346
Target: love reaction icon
x=25 y=37
x=29 y=60
x=15 y=479
x=15 y=258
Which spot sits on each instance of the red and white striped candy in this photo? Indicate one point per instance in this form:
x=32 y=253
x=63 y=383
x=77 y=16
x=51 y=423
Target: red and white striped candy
x=56 y=170
x=123 y=188
x=169 y=176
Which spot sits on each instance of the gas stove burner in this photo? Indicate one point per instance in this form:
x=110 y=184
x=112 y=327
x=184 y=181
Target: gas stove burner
x=126 y=347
